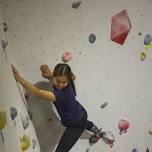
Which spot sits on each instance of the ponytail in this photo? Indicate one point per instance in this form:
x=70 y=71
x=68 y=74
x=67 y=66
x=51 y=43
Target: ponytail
x=73 y=87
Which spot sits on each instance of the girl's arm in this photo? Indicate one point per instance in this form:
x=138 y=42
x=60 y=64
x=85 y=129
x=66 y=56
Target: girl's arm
x=31 y=88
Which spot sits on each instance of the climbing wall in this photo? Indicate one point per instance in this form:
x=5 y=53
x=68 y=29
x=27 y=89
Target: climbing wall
x=16 y=129
x=111 y=58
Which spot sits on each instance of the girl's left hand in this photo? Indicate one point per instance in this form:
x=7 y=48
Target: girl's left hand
x=16 y=73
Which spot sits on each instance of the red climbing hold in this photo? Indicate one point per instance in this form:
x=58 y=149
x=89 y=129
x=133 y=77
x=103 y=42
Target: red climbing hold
x=120 y=27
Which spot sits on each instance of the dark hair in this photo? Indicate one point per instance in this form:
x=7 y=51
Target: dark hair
x=63 y=69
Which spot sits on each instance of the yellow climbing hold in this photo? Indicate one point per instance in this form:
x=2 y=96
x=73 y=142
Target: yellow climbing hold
x=25 y=142
x=143 y=54
x=3 y=120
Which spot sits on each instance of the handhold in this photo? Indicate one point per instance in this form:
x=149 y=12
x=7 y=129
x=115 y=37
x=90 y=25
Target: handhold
x=123 y=125
x=13 y=112
x=92 y=38
x=147 y=39
x=25 y=142
x=4 y=44
x=120 y=27
x=67 y=56
x=3 y=120
x=104 y=104
x=25 y=121
x=76 y=4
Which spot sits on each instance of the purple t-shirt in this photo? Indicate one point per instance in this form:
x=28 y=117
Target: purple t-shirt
x=68 y=108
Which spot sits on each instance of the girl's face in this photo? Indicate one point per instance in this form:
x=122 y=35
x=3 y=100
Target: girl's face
x=60 y=82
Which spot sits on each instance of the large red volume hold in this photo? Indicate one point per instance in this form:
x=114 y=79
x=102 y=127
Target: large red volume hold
x=120 y=27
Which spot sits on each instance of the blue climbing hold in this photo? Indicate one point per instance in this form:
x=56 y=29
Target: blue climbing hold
x=92 y=38
x=147 y=39
x=134 y=150
x=13 y=112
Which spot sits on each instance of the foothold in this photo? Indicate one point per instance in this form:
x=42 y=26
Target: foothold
x=25 y=121
x=25 y=142
x=142 y=56
x=150 y=131
x=75 y=5
x=34 y=143
x=120 y=27
x=92 y=38
x=3 y=44
x=140 y=33
x=123 y=125
x=13 y=113
x=67 y=56
x=5 y=27
x=134 y=150
x=104 y=104
x=108 y=138
x=147 y=39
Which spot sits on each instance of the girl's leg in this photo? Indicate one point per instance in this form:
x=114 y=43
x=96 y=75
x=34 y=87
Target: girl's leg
x=90 y=126
x=69 y=138
x=71 y=135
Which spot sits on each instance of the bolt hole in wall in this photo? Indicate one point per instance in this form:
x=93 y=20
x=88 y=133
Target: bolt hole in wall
x=107 y=44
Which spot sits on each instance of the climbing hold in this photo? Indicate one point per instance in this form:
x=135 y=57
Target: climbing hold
x=4 y=44
x=108 y=138
x=67 y=56
x=25 y=120
x=92 y=38
x=123 y=125
x=75 y=5
x=13 y=112
x=34 y=143
x=150 y=131
x=147 y=39
x=3 y=122
x=5 y=27
x=120 y=27
x=104 y=104
x=25 y=142
x=142 y=56
x=140 y=33
x=134 y=150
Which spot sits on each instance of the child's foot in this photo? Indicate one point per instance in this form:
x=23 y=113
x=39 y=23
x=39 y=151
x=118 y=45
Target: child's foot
x=94 y=138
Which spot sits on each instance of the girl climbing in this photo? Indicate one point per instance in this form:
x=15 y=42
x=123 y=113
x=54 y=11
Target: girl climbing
x=72 y=113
